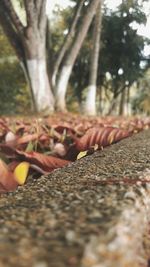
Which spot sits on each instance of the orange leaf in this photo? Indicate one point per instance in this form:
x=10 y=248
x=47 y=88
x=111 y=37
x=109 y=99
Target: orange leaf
x=27 y=138
x=46 y=163
x=8 y=150
x=7 y=181
x=60 y=129
x=102 y=136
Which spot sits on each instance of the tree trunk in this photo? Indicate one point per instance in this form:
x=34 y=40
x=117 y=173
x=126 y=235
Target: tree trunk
x=90 y=103
x=30 y=46
x=128 y=102
x=112 y=105
x=65 y=72
x=62 y=88
x=67 y=41
x=25 y=71
x=37 y=71
x=100 y=109
x=122 y=103
x=35 y=53
x=43 y=97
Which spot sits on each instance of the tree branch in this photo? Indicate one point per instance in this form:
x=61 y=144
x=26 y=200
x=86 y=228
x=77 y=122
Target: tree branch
x=12 y=15
x=38 y=4
x=68 y=40
x=96 y=45
x=121 y=89
x=81 y=34
x=29 y=8
x=42 y=18
x=10 y=32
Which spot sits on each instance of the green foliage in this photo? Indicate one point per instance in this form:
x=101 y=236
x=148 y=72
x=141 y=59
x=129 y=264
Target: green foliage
x=59 y=28
x=14 y=96
x=141 y=102
x=6 y=49
x=122 y=47
x=79 y=77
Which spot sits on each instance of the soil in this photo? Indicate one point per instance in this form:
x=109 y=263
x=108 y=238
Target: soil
x=92 y=213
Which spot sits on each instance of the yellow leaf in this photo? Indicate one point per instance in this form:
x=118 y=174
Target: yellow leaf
x=82 y=154
x=111 y=136
x=21 y=172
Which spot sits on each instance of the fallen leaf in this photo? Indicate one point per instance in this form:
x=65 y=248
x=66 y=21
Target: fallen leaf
x=7 y=150
x=82 y=154
x=59 y=149
x=46 y=163
x=27 y=138
x=21 y=172
x=7 y=180
x=11 y=138
x=101 y=137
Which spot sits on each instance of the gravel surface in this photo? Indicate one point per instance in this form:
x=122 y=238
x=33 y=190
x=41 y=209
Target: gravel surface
x=93 y=213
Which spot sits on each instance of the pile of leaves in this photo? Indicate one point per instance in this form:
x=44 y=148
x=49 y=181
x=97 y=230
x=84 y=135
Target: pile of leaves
x=33 y=146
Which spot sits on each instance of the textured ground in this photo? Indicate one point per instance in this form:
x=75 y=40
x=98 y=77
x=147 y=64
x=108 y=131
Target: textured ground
x=93 y=213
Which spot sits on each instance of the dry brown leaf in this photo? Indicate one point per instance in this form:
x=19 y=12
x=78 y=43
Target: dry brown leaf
x=7 y=180
x=102 y=137
x=46 y=163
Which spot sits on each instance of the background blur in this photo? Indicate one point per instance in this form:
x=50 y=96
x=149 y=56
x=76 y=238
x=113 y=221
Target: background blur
x=123 y=76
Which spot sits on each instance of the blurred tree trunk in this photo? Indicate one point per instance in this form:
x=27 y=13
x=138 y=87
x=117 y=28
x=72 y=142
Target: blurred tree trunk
x=29 y=43
x=100 y=108
x=90 y=102
x=116 y=93
x=122 y=103
x=128 y=101
x=72 y=53
x=112 y=105
x=68 y=41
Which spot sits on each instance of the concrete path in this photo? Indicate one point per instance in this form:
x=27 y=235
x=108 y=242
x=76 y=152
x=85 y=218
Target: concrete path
x=93 y=213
